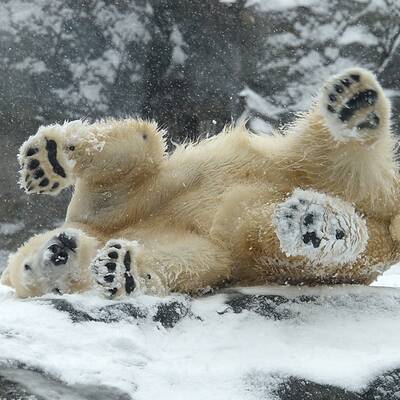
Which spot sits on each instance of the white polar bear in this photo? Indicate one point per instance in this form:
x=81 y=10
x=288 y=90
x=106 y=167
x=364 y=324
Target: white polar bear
x=316 y=204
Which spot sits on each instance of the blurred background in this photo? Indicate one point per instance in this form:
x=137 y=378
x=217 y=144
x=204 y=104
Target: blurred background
x=192 y=65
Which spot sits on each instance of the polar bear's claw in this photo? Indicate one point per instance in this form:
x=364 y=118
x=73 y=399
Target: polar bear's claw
x=352 y=105
x=322 y=228
x=114 y=270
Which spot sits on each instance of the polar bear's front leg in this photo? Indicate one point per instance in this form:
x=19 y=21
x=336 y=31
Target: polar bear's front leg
x=322 y=228
x=114 y=268
x=115 y=271
x=354 y=106
x=171 y=261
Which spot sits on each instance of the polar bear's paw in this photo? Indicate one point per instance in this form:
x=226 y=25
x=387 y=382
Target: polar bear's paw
x=45 y=161
x=114 y=269
x=322 y=228
x=354 y=105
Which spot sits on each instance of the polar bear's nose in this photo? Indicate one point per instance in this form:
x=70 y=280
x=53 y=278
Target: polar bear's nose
x=67 y=241
x=59 y=256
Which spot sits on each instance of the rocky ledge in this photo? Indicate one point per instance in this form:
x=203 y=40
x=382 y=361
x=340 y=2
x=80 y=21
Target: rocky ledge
x=252 y=343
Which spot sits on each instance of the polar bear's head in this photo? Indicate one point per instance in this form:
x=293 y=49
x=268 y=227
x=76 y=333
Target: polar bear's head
x=54 y=261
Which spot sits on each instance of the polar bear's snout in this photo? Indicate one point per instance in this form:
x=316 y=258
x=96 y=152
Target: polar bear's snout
x=64 y=244
x=59 y=254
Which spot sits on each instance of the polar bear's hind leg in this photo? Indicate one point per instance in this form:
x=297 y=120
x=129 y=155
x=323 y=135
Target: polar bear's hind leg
x=354 y=106
x=320 y=227
x=44 y=160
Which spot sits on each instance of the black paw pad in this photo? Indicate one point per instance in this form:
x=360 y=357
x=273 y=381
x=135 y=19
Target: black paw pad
x=111 y=266
x=346 y=82
x=44 y=182
x=332 y=97
x=51 y=147
x=33 y=164
x=38 y=173
x=109 y=277
x=339 y=234
x=339 y=89
x=372 y=122
x=361 y=100
x=129 y=283
x=127 y=261
x=330 y=108
x=32 y=151
x=312 y=237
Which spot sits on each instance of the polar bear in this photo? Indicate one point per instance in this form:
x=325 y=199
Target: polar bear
x=314 y=204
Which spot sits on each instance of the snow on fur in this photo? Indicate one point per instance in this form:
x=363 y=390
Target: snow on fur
x=339 y=234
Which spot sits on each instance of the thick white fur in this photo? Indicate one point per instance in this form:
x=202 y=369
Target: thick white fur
x=205 y=215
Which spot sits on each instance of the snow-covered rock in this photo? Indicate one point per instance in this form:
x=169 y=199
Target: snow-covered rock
x=249 y=343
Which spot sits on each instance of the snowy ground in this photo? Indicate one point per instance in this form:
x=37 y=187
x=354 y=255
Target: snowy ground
x=344 y=336
x=390 y=278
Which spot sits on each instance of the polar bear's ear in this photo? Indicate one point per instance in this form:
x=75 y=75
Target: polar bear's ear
x=5 y=278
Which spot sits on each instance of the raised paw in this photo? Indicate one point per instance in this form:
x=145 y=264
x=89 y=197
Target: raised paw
x=114 y=269
x=322 y=228
x=354 y=105
x=45 y=159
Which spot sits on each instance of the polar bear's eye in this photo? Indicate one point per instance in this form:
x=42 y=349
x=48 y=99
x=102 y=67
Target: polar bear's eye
x=27 y=267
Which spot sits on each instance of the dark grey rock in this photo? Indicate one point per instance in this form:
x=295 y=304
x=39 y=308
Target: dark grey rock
x=383 y=387
x=11 y=390
x=170 y=313
x=167 y=313
x=295 y=388
x=269 y=306
x=21 y=382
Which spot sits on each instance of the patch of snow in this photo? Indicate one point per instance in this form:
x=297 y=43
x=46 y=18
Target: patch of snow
x=343 y=341
x=357 y=34
x=258 y=125
x=31 y=65
x=390 y=278
x=257 y=103
x=91 y=91
x=279 y=5
x=10 y=228
x=3 y=259
x=391 y=93
x=178 y=54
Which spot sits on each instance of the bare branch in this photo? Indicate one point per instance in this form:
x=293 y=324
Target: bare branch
x=389 y=52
